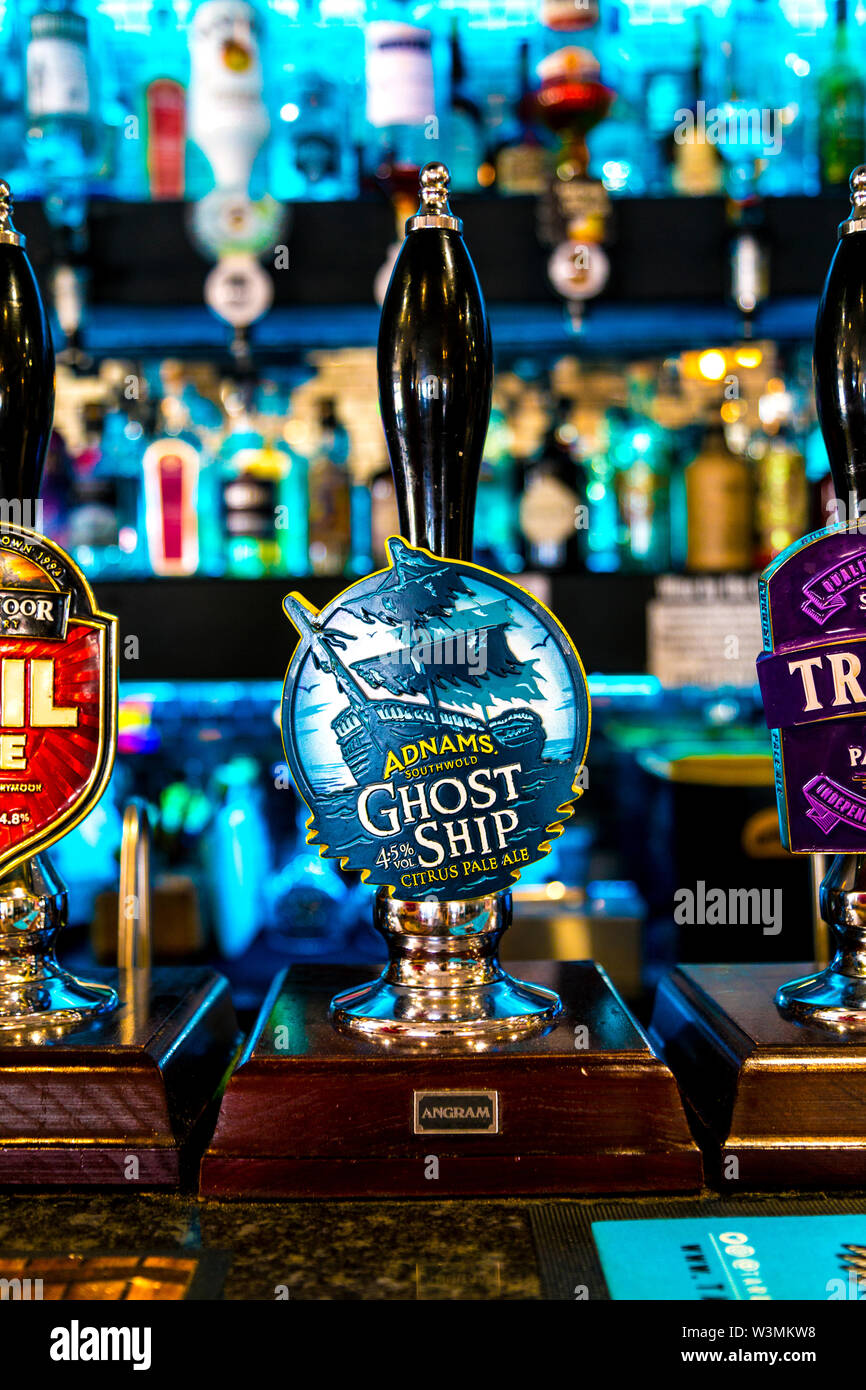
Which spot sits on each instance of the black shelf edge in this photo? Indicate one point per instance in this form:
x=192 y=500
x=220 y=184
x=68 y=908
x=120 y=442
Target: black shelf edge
x=235 y=629
x=667 y=254
x=286 y=334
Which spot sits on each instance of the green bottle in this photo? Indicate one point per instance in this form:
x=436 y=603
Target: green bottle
x=643 y=457
x=841 y=97
x=252 y=474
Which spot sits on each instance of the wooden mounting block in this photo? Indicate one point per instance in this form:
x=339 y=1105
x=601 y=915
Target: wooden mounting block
x=788 y=1103
x=119 y=1103
x=311 y=1112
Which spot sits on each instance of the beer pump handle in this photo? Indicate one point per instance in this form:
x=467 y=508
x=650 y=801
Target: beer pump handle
x=26 y=368
x=839 y=361
x=835 y=997
x=435 y=369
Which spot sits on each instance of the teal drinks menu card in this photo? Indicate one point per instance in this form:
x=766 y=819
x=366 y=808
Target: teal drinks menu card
x=735 y=1258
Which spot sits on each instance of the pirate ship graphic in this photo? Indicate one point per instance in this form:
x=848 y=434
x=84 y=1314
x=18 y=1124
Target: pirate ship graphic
x=452 y=663
x=435 y=719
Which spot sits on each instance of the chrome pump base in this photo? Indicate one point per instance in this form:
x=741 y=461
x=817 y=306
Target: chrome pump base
x=835 y=998
x=36 y=994
x=443 y=978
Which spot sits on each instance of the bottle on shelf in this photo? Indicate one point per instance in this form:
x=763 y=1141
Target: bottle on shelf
x=642 y=453
x=720 y=494
x=102 y=522
x=497 y=542
x=181 y=494
x=291 y=470
x=316 y=162
x=227 y=110
x=671 y=79
x=64 y=141
x=162 y=99
x=253 y=472
x=762 y=101
x=697 y=168
x=309 y=905
x=601 y=538
x=781 y=495
x=465 y=121
x=172 y=467
x=841 y=99
x=522 y=161
x=384 y=521
x=330 y=502
x=678 y=418
x=550 y=498
x=400 y=90
x=238 y=852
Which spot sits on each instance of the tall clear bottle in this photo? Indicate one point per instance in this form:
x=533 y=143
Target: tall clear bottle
x=465 y=120
x=401 y=95
x=162 y=99
x=63 y=123
x=227 y=108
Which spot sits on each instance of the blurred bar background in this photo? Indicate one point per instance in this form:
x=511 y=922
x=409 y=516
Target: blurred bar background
x=213 y=195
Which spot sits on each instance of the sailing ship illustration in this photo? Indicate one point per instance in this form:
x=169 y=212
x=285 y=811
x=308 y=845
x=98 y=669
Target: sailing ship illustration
x=456 y=662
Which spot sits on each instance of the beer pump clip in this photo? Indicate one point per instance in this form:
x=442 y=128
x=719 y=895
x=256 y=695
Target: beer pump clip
x=436 y=715
x=435 y=718
x=99 y=1085
x=812 y=671
x=58 y=679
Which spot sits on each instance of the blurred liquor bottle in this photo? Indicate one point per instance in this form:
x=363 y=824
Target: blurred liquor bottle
x=316 y=67
x=308 y=904
x=550 y=499
x=400 y=90
x=252 y=472
x=696 y=168
x=330 y=502
x=643 y=457
x=671 y=51
x=497 y=543
x=313 y=159
x=290 y=470
x=781 y=495
x=103 y=496
x=522 y=161
x=172 y=470
x=238 y=855
x=384 y=520
x=601 y=536
x=62 y=107
x=841 y=101
x=465 y=135
x=181 y=499
x=719 y=492
x=163 y=85
x=227 y=108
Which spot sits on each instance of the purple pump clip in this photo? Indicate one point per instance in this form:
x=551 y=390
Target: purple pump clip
x=813 y=682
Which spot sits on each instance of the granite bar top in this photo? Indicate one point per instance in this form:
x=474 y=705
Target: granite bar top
x=298 y=1250
x=472 y=1249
